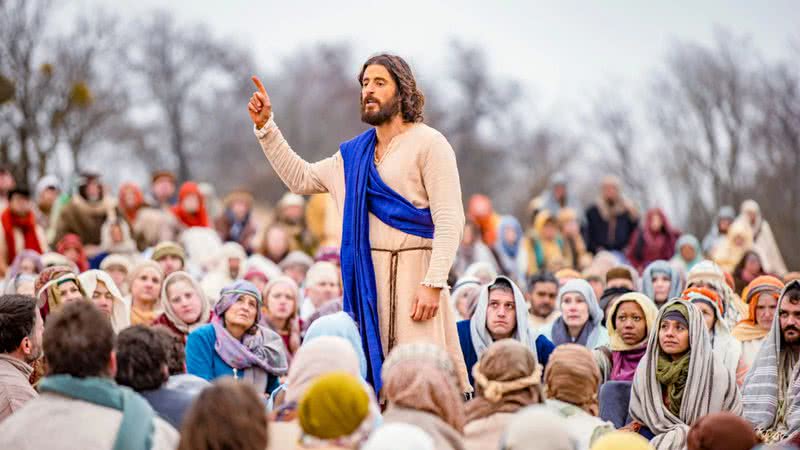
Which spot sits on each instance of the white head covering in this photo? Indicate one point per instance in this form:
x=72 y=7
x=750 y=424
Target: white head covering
x=399 y=436
x=120 y=309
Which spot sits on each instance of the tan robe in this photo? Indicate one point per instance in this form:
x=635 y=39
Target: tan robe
x=420 y=165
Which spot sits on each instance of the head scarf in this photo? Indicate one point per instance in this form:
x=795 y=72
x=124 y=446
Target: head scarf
x=169 y=311
x=709 y=272
x=709 y=387
x=120 y=309
x=336 y=411
x=117 y=260
x=168 y=248
x=342 y=325
x=126 y=245
x=593 y=333
x=748 y=329
x=465 y=284
x=482 y=339
x=73 y=242
x=508 y=378
x=508 y=251
x=399 y=436
x=621 y=440
x=538 y=428
x=422 y=377
x=625 y=358
x=317 y=357
x=662 y=267
x=200 y=217
x=762 y=393
x=46 y=287
x=138 y=202
x=572 y=376
x=688 y=239
x=321 y=271
x=729 y=253
x=260 y=348
x=722 y=431
x=724 y=344
x=16 y=266
x=476 y=269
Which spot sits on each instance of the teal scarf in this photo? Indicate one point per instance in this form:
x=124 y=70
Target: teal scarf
x=136 y=430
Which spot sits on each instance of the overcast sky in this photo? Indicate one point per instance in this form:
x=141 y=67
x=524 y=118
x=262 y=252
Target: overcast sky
x=560 y=50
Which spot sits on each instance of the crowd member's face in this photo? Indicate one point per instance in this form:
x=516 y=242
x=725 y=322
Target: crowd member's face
x=118 y=274
x=48 y=197
x=19 y=205
x=661 y=285
x=739 y=240
x=462 y=301
x=510 y=235
x=102 y=298
x=239 y=208
x=673 y=338
x=277 y=242
x=765 y=311
x=7 y=182
x=146 y=285
x=610 y=192
x=560 y=192
x=789 y=316
x=570 y=228
x=129 y=198
x=93 y=190
x=379 y=102
x=292 y=214
x=574 y=309
x=620 y=282
x=597 y=286
x=501 y=316
x=724 y=224
x=630 y=323
x=191 y=203
x=324 y=290
x=170 y=264
x=709 y=314
x=242 y=313
x=234 y=264
x=543 y=298
x=163 y=189
x=549 y=231
x=27 y=266
x=185 y=301
x=73 y=255
x=69 y=292
x=34 y=341
x=688 y=252
x=296 y=272
x=281 y=301
x=656 y=223
x=752 y=264
x=259 y=281
x=753 y=216
x=116 y=234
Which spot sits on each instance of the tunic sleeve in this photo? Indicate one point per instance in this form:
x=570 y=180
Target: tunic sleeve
x=300 y=176
x=442 y=183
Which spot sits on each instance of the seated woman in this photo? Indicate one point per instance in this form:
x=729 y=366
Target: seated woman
x=55 y=287
x=581 y=317
x=761 y=297
x=185 y=306
x=234 y=344
x=508 y=379
x=146 y=278
x=679 y=380
x=102 y=291
x=27 y=262
x=422 y=388
x=728 y=349
x=280 y=311
x=631 y=320
x=661 y=282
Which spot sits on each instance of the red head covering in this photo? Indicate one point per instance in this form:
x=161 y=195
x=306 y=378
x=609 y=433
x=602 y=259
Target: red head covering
x=130 y=211
x=197 y=219
x=765 y=284
x=481 y=212
x=27 y=225
x=72 y=241
x=705 y=292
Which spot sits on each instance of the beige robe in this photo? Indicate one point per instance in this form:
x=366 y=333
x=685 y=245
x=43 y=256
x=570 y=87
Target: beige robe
x=420 y=165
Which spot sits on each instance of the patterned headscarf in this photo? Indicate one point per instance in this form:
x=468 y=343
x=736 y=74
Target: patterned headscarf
x=46 y=287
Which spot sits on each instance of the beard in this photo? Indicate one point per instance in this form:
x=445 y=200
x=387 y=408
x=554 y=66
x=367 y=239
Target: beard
x=384 y=113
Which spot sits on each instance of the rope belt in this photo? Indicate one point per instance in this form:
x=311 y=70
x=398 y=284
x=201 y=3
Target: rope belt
x=395 y=256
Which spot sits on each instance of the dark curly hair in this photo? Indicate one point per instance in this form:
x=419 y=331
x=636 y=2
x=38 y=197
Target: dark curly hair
x=411 y=98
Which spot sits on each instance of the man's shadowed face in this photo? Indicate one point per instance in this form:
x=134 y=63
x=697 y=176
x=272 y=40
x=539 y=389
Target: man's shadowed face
x=379 y=102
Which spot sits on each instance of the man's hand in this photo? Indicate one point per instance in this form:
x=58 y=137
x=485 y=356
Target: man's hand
x=259 y=107
x=426 y=303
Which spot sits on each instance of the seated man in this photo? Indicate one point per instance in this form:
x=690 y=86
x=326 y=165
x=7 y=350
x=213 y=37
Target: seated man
x=542 y=293
x=322 y=285
x=79 y=405
x=143 y=366
x=502 y=313
x=20 y=347
x=765 y=393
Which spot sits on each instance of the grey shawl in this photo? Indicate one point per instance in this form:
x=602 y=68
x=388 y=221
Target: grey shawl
x=710 y=387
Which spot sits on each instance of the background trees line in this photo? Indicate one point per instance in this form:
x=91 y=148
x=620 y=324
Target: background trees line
x=715 y=125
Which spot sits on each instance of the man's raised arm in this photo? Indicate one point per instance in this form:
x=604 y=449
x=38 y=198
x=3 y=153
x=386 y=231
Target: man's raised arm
x=300 y=177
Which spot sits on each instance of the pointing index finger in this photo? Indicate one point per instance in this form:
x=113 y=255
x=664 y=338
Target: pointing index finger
x=258 y=84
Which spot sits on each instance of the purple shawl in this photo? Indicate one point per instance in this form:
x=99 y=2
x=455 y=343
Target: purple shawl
x=624 y=364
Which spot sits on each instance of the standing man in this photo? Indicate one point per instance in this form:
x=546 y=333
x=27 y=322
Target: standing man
x=397 y=185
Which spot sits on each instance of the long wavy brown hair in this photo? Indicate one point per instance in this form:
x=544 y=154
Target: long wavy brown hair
x=412 y=101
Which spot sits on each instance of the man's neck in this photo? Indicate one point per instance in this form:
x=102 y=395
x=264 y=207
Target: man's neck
x=386 y=132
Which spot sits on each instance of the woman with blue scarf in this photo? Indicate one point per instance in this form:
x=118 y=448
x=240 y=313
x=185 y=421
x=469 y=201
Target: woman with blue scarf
x=234 y=344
